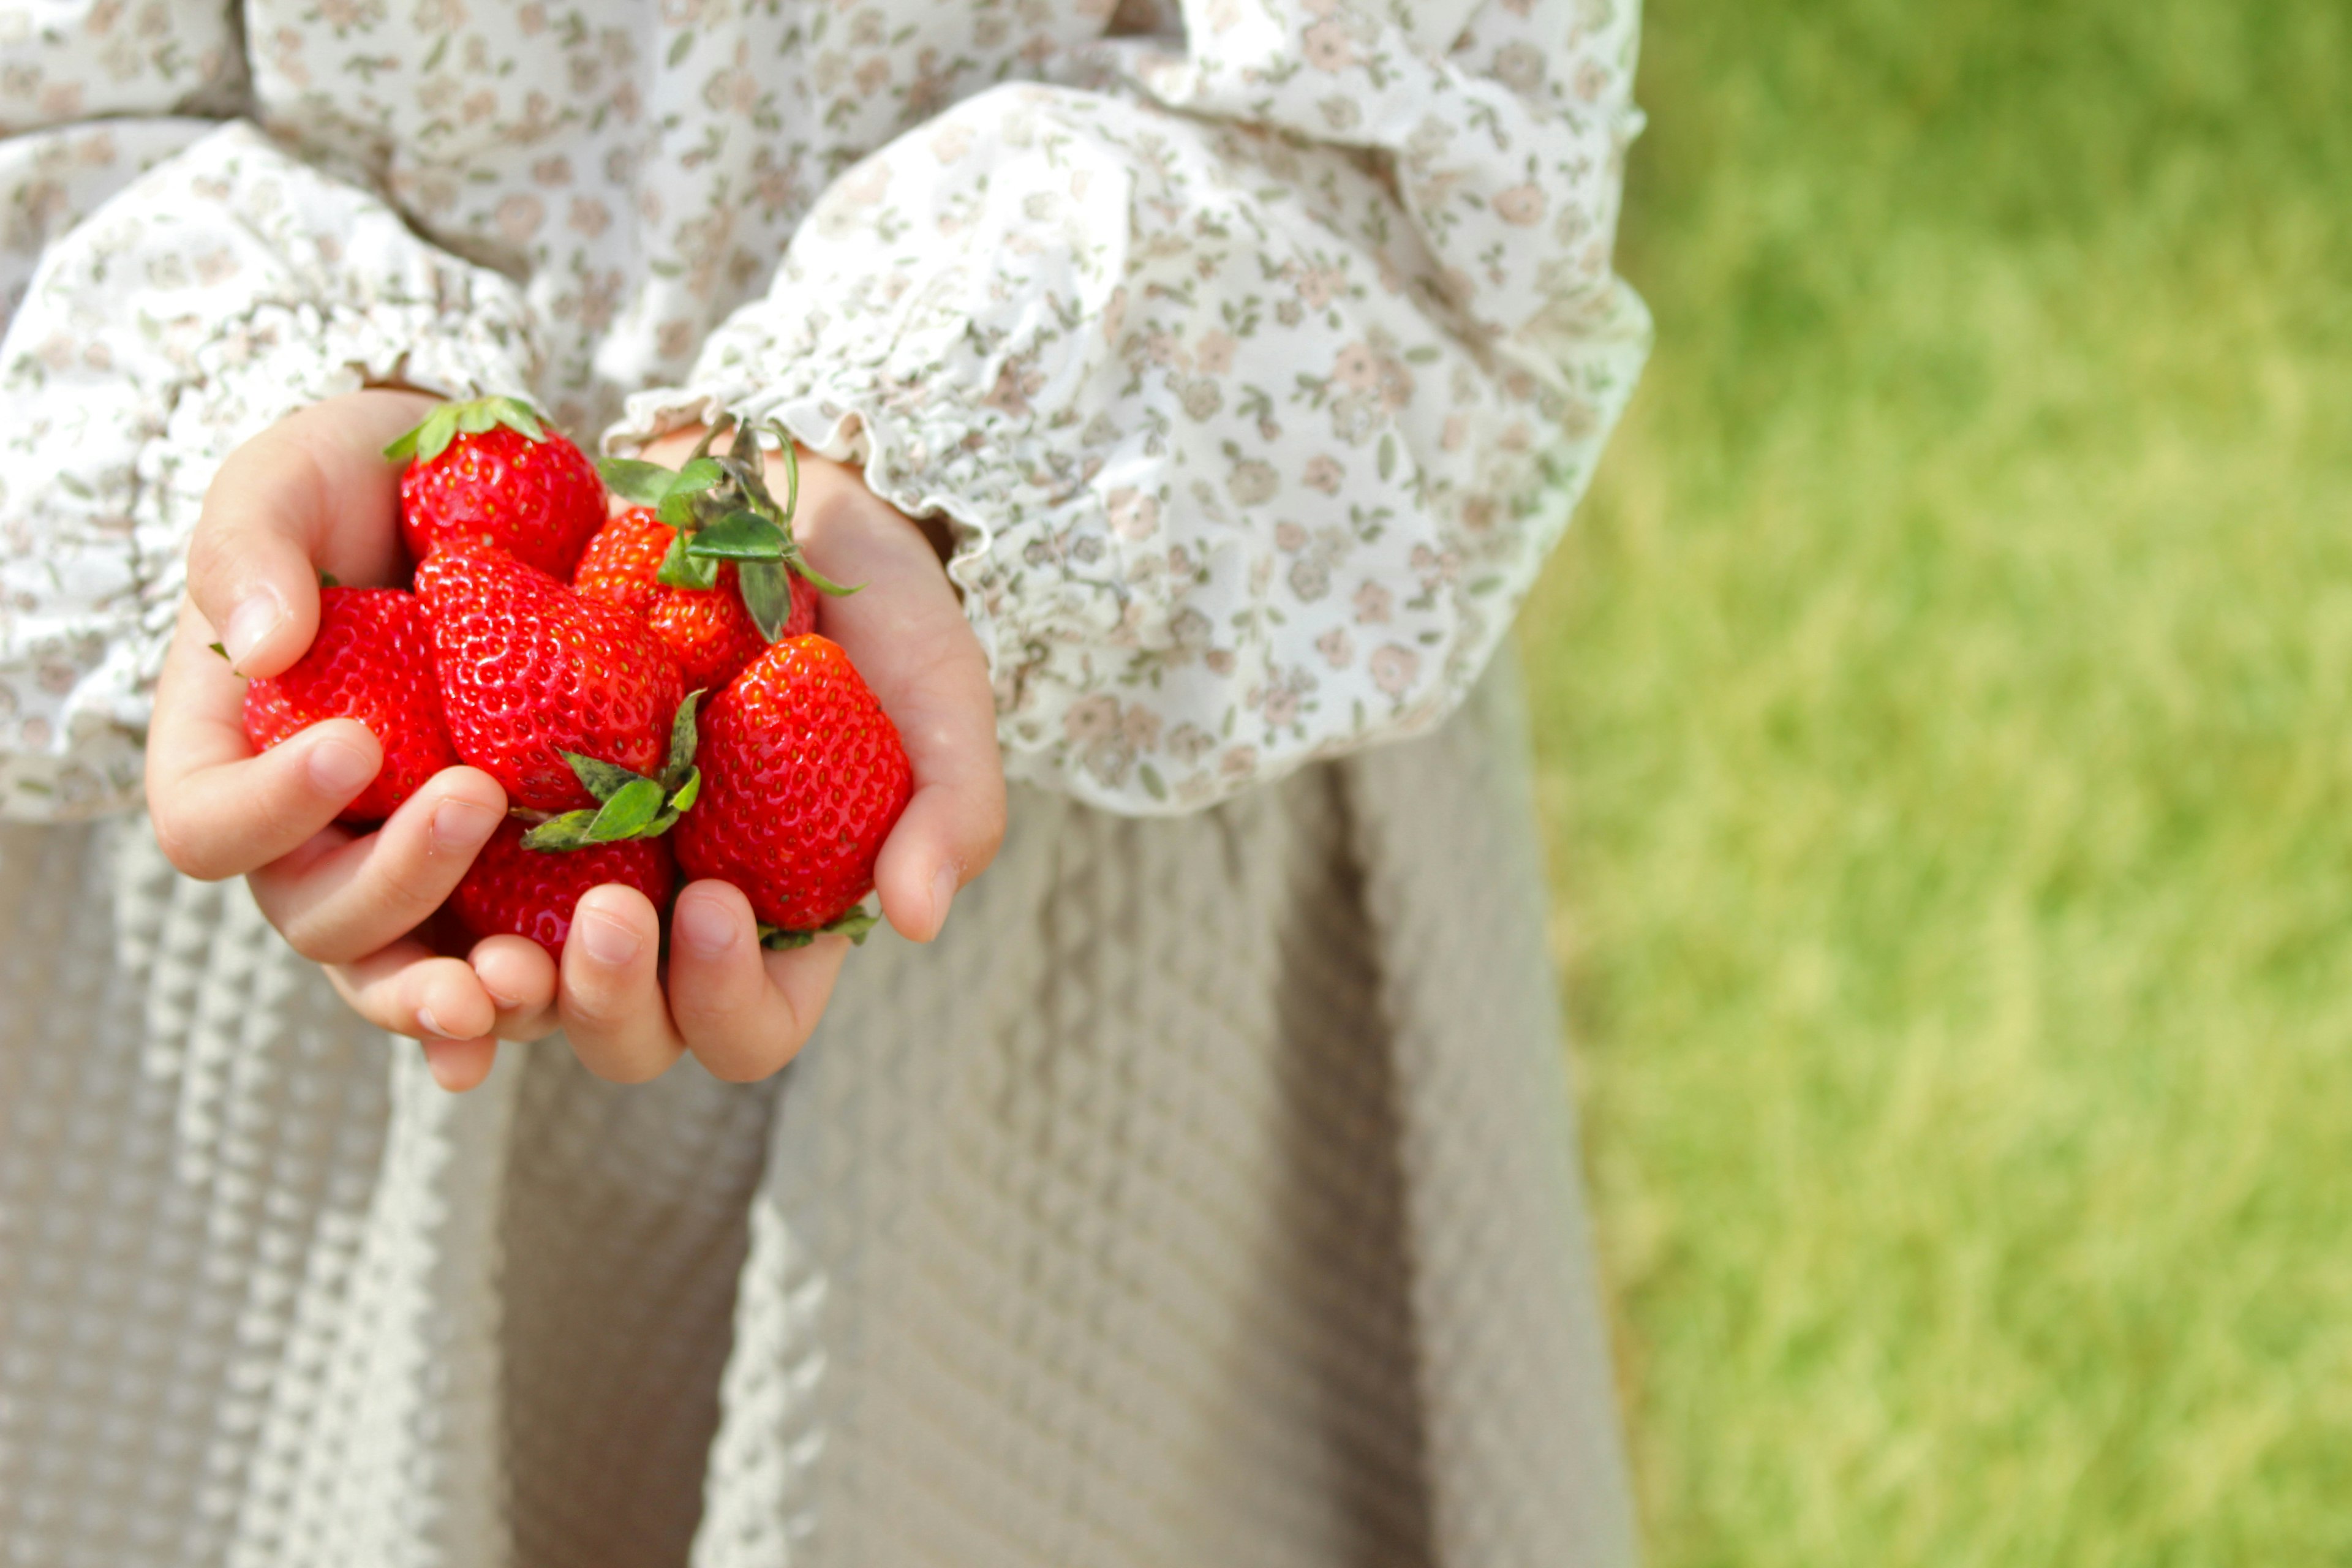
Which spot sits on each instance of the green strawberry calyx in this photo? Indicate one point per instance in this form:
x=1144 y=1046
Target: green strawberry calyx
x=723 y=511
x=855 y=925
x=629 y=805
x=477 y=418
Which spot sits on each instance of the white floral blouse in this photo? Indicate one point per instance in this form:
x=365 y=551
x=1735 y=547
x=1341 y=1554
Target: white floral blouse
x=1257 y=354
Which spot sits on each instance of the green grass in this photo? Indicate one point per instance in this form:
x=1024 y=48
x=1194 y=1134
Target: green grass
x=1944 y=708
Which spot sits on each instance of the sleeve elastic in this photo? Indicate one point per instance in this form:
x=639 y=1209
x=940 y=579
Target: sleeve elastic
x=220 y=291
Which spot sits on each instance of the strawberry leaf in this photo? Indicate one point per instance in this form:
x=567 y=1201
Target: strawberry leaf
x=628 y=814
x=785 y=449
x=680 y=570
x=683 y=740
x=429 y=438
x=767 y=587
x=516 y=415
x=560 y=834
x=822 y=583
x=698 y=475
x=677 y=510
x=688 y=794
x=739 y=536
x=855 y=925
x=602 y=779
x=637 y=482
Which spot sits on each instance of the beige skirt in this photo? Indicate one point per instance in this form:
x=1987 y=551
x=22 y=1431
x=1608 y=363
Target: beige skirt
x=1206 y=1197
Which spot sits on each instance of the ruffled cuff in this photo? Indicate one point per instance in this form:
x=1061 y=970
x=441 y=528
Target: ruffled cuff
x=1227 y=499
x=228 y=288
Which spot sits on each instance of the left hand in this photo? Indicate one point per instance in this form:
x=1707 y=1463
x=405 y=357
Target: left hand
x=742 y=1011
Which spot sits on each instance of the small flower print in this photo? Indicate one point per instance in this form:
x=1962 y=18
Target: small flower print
x=1188 y=743
x=1521 y=204
x=1091 y=719
x=1357 y=368
x=1253 y=482
x=1328 y=46
x=521 y=217
x=1201 y=398
x=1519 y=66
x=1393 y=667
x=1133 y=514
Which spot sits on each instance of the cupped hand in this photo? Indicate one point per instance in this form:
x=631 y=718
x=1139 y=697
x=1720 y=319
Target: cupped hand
x=314 y=493
x=744 y=1011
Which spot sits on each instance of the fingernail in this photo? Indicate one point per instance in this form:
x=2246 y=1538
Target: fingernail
x=339 y=768
x=462 y=825
x=250 y=622
x=608 y=941
x=426 y=1022
x=499 y=1000
x=944 y=882
x=706 y=928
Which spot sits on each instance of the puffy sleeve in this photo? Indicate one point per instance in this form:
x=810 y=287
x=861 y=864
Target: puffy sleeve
x=223 y=288
x=1257 y=371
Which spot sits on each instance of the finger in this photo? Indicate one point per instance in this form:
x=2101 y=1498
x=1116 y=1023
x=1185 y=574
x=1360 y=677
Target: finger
x=460 y=1064
x=220 y=811
x=312 y=492
x=744 y=1012
x=610 y=999
x=908 y=638
x=522 y=980
x=410 y=990
x=336 y=902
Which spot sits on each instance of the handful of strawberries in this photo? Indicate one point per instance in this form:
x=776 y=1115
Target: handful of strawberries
x=649 y=690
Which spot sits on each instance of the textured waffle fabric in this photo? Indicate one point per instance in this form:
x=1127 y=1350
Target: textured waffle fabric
x=1205 y=1197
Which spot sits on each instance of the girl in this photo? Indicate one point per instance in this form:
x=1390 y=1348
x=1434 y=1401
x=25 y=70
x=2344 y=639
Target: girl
x=1197 y=397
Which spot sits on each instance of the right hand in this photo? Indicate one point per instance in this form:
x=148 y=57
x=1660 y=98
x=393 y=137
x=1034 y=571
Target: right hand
x=314 y=493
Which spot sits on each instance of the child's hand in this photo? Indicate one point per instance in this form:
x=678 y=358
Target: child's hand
x=744 y=1012
x=313 y=494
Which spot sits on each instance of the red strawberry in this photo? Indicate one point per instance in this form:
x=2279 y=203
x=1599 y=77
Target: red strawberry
x=803 y=777
x=372 y=660
x=512 y=890
x=490 y=470
x=709 y=630
x=530 y=670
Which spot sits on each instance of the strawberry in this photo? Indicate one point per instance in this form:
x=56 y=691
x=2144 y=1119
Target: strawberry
x=534 y=675
x=491 y=470
x=511 y=889
x=372 y=660
x=803 y=777
x=712 y=526
x=709 y=630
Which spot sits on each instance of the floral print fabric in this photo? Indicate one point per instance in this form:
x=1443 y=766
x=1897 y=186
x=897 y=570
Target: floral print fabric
x=1257 y=354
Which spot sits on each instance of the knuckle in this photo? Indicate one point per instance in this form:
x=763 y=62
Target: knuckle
x=750 y=1062
x=309 y=938
x=622 y=1066
x=410 y=885
x=191 y=851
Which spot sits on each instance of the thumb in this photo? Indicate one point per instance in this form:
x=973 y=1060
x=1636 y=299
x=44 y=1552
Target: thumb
x=312 y=492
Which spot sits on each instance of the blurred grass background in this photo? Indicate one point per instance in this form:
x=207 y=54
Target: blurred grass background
x=1945 y=720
